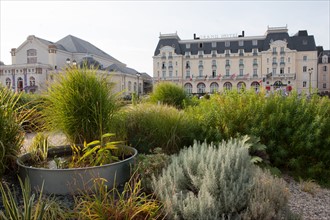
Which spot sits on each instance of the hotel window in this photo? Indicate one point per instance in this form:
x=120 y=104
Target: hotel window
x=214 y=73
x=282 y=50
x=188 y=88
x=164 y=74
x=158 y=64
x=254 y=42
x=289 y=59
x=267 y=60
x=274 y=51
x=289 y=69
x=304 y=58
x=325 y=68
x=227 y=72
x=324 y=77
x=201 y=88
x=274 y=71
x=170 y=73
x=214 y=87
x=304 y=83
x=304 y=69
x=274 y=60
x=241 y=72
x=227 y=44
x=200 y=53
x=255 y=72
x=241 y=52
x=324 y=85
x=135 y=87
x=187 y=54
x=227 y=62
x=325 y=59
x=214 y=62
x=255 y=52
x=282 y=59
x=267 y=70
x=176 y=73
x=282 y=70
x=255 y=61
x=227 y=86
x=187 y=73
x=227 y=53
x=240 y=61
x=240 y=43
x=187 y=64
x=200 y=45
x=188 y=46
x=200 y=72
x=214 y=44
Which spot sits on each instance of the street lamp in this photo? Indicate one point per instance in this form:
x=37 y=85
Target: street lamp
x=138 y=86
x=310 y=71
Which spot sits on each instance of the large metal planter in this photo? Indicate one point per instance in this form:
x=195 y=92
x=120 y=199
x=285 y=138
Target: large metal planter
x=74 y=180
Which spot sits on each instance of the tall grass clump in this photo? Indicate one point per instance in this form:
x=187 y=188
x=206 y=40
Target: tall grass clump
x=80 y=103
x=33 y=207
x=148 y=126
x=11 y=132
x=219 y=182
x=169 y=94
x=128 y=203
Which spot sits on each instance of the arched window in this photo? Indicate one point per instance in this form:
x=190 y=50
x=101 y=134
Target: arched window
x=32 y=81
x=227 y=85
x=240 y=86
x=19 y=84
x=129 y=86
x=201 y=88
x=255 y=85
x=188 y=88
x=214 y=87
x=8 y=83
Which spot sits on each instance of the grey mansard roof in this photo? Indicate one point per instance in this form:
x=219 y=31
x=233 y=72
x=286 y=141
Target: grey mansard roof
x=76 y=45
x=300 y=42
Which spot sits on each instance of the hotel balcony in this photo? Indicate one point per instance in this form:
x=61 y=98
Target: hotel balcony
x=255 y=65
x=282 y=63
x=163 y=57
x=227 y=65
x=282 y=53
x=274 y=53
x=170 y=57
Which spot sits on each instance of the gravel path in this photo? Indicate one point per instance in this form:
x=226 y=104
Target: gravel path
x=309 y=201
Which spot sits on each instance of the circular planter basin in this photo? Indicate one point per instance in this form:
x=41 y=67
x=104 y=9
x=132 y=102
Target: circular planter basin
x=74 y=180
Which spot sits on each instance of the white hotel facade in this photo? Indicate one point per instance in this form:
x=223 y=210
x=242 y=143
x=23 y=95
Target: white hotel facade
x=206 y=65
x=36 y=61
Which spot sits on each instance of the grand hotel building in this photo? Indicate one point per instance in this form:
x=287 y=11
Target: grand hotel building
x=272 y=61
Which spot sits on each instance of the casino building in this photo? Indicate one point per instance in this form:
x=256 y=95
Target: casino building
x=273 y=61
x=36 y=61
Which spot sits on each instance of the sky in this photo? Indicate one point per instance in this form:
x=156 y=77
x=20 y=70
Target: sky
x=129 y=30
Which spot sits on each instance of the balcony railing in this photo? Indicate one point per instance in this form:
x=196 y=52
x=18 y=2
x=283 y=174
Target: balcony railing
x=214 y=66
x=187 y=67
x=170 y=67
x=255 y=75
x=282 y=63
x=282 y=53
x=255 y=65
x=200 y=66
x=226 y=77
x=227 y=65
x=163 y=57
x=274 y=63
x=241 y=65
x=274 y=52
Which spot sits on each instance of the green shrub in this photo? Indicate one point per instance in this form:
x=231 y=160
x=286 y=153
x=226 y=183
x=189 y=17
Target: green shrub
x=217 y=182
x=149 y=165
x=80 y=103
x=128 y=203
x=148 y=126
x=169 y=94
x=11 y=132
x=295 y=129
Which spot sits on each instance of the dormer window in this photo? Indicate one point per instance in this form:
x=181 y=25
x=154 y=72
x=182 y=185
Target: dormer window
x=304 y=42
x=254 y=42
x=200 y=45
x=214 y=44
x=227 y=44
x=240 y=43
x=324 y=59
x=188 y=46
